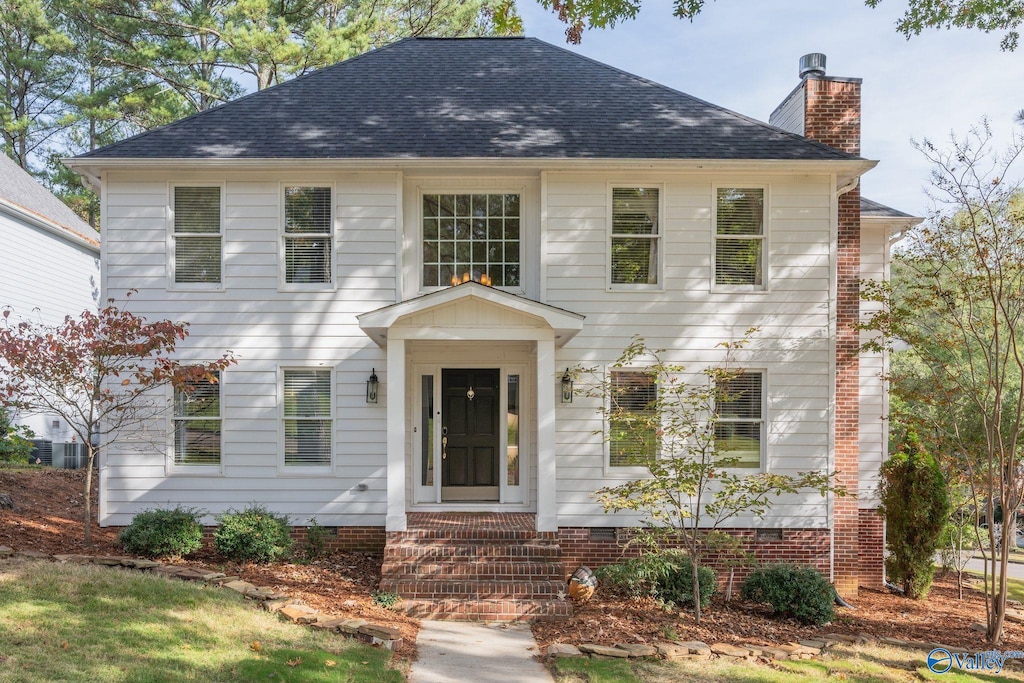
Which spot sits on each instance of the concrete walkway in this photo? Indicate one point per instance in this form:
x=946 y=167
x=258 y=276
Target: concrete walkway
x=461 y=652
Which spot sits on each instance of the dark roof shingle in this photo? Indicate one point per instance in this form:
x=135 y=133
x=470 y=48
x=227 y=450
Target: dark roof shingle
x=469 y=98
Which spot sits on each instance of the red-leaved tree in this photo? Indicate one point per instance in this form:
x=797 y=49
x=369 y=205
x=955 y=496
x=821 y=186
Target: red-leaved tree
x=103 y=372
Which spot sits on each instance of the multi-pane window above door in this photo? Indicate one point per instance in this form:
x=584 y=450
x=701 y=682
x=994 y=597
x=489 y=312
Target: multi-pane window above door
x=472 y=236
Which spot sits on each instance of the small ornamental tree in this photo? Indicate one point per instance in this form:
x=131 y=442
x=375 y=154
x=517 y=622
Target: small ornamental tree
x=103 y=372
x=692 y=485
x=916 y=506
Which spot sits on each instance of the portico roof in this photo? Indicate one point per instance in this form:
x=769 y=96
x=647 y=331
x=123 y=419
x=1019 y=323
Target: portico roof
x=529 y=319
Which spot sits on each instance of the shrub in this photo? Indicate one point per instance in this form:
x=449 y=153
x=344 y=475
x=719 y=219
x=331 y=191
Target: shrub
x=792 y=590
x=255 y=534
x=916 y=506
x=163 y=532
x=665 y=575
x=316 y=539
x=385 y=599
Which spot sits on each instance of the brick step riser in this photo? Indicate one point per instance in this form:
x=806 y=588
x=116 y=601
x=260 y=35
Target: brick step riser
x=481 y=553
x=494 y=590
x=549 y=570
x=470 y=535
x=474 y=610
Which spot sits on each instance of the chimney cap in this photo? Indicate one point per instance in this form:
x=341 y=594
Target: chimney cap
x=812 y=64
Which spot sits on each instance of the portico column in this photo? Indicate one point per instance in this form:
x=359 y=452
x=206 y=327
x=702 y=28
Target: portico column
x=396 y=435
x=547 y=517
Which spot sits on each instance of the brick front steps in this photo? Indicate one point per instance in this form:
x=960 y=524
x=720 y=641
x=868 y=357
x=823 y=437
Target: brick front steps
x=476 y=567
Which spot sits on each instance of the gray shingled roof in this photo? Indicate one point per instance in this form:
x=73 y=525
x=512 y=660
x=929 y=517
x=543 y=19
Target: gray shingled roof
x=19 y=188
x=869 y=208
x=458 y=98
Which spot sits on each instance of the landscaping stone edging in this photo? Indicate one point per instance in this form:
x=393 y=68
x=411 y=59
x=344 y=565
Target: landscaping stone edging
x=803 y=649
x=266 y=597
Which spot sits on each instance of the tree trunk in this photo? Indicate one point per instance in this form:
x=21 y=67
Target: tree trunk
x=696 y=591
x=88 y=495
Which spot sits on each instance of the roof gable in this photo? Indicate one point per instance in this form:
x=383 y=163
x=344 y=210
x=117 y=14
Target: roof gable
x=22 y=193
x=517 y=98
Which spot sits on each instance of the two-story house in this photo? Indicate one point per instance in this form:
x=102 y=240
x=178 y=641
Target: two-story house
x=408 y=249
x=49 y=268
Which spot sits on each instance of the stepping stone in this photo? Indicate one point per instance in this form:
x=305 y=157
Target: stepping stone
x=300 y=614
x=328 y=623
x=242 y=587
x=672 y=650
x=841 y=637
x=603 y=650
x=696 y=647
x=563 y=650
x=352 y=626
x=730 y=650
x=755 y=650
x=276 y=604
x=896 y=642
x=381 y=632
x=637 y=649
x=34 y=554
x=814 y=645
x=774 y=653
x=6 y=551
x=147 y=564
x=1014 y=617
x=210 y=577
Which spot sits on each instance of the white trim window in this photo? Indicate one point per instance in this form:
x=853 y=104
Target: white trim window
x=474 y=236
x=306 y=410
x=635 y=238
x=197 y=423
x=740 y=220
x=197 y=234
x=740 y=425
x=308 y=235
x=633 y=420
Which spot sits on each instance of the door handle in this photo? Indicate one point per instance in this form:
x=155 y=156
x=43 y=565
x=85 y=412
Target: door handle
x=444 y=443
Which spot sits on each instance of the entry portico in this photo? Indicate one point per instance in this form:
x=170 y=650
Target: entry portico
x=464 y=334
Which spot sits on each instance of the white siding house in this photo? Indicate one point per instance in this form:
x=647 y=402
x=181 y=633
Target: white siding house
x=49 y=265
x=324 y=230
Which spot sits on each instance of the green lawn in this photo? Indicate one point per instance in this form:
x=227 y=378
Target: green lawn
x=84 y=623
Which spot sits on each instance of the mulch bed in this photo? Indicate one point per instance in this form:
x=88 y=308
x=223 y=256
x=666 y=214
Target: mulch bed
x=49 y=515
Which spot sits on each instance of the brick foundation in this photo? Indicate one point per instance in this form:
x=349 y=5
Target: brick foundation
x=800 y=546
x=369 y=539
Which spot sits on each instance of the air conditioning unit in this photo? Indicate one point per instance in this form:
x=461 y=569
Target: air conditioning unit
x=42 y=450
x=69 y=456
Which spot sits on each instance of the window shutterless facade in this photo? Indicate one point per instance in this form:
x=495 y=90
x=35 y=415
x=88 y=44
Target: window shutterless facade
x=197 y=423
x=472 y=235
x=740 y=429
x=740 y=220
x=197 y=236
x=308 y=235
x=635 y=237
x=306 y=408
x=632 y=419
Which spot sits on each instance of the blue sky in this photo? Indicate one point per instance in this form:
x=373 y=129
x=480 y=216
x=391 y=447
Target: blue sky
x=743 y=55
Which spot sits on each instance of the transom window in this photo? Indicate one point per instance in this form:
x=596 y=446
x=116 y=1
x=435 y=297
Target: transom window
x=739 y=431
x=197 y=235
x=197 y=423
x=636 y=236
x=739 y=236
x=471 y=236
x=308 y=232
x=633 y=419
x=307 y=417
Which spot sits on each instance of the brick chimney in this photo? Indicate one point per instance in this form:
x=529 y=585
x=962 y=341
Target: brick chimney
x=827 y=109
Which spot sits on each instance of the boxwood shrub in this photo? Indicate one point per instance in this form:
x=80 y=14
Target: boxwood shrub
x=253 y=535
x=792 y=590
x=163 y=533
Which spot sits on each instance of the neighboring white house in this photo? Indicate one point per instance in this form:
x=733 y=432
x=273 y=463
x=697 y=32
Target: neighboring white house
x=316 y=229
x=49 y=265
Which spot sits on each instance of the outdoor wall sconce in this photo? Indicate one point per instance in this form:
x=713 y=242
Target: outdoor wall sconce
x=372 y=385
x=567 y=387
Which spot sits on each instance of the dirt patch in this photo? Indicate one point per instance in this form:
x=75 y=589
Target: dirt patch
x=48 y=518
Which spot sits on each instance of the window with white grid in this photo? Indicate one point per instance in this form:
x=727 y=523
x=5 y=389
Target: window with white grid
x=739 y=237
x=471 y=235
x=197 y=430
x=197 y=234
x=635 y=236
x=739 y=431
x=307 y=417
x=308 y=232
